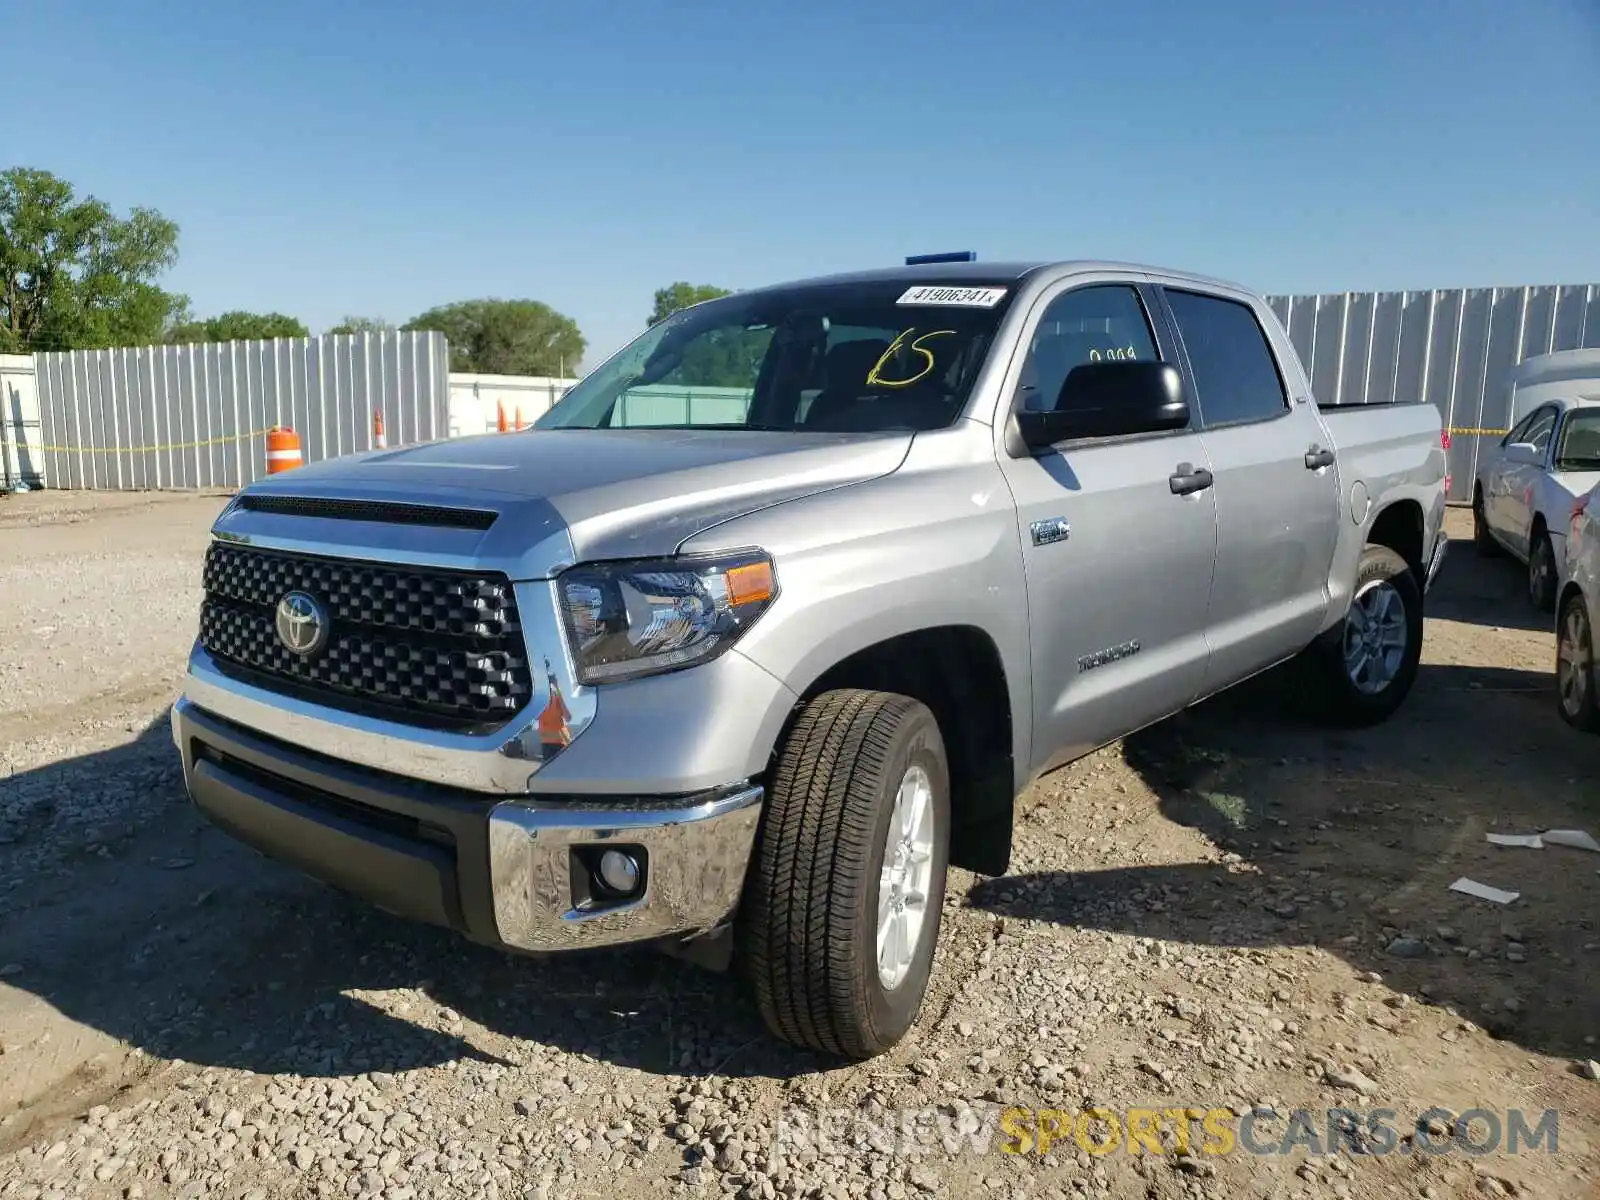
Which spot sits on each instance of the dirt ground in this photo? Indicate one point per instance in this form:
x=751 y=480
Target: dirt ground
x=1235 y=910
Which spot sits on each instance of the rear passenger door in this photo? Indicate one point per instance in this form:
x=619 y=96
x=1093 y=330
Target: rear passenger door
x=1277 y=486
x=1118 y=563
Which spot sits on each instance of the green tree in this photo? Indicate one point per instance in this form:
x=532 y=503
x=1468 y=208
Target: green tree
x=506 y=337
x=362 y=325
x=75 y=275
x=238 y=327
x=720 y=358
x=680 y=295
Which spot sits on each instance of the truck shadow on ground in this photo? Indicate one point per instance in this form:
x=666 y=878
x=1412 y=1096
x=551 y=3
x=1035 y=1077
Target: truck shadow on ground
x=1349 y=840
x=124 y=910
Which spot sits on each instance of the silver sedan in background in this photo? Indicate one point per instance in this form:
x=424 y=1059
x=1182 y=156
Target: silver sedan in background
x=1577 y=681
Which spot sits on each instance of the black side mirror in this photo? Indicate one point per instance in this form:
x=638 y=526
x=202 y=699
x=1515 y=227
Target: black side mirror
x=1109 y=399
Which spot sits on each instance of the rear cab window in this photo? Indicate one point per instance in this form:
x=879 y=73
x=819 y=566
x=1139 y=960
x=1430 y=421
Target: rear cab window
x=1236 y=374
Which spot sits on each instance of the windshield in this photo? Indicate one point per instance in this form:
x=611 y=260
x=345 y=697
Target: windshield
x=1579 y=447
x=844 y=357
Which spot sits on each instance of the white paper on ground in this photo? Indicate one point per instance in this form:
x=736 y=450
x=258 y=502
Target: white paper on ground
x=1576 y=838
x=1483 y=891
x=1530 y=840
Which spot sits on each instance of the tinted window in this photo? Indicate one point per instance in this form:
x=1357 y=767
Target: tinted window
x=1235 y=372
x=1092 y=324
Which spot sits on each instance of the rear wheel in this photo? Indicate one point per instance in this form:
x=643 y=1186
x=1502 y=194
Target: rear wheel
x=1368 y=663
x=846 y=889
x=1576 y=682
x=1542 y=572
x=1481 y=537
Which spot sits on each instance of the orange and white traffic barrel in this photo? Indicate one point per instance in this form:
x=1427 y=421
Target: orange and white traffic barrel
x=283 y=449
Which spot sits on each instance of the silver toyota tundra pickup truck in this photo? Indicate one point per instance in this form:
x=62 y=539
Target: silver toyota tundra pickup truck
x=767 y=622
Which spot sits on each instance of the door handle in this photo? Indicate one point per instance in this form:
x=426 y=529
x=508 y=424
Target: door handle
x=1317 y=458
x=1188 y=479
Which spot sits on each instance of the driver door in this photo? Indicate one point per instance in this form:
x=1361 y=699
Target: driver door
x=1118 y=564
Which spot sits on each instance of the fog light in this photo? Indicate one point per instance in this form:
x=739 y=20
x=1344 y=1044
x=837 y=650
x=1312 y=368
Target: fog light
x=619 y=872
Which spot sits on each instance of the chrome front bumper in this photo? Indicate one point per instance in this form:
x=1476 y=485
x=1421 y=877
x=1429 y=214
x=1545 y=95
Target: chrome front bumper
x=694 y=855
x=512 y=874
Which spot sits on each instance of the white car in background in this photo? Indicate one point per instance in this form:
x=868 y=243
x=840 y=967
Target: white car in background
x=1577 y=680
x=1522 y=499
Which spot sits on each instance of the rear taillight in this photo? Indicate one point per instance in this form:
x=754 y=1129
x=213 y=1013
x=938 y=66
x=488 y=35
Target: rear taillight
x=1579 y=507
x=1444 y=444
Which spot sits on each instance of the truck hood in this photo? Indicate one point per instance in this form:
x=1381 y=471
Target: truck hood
x=556 y=496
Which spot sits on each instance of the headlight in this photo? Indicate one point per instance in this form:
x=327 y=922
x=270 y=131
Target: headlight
x=629 y=619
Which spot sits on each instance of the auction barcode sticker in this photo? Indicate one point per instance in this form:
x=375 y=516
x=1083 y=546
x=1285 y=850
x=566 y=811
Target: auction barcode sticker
x=969 y=297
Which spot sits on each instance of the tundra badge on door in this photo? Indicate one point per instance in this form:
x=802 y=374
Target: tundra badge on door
x=1110 y=654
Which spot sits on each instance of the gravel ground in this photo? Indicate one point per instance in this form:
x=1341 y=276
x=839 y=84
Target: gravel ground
x=1233 y=910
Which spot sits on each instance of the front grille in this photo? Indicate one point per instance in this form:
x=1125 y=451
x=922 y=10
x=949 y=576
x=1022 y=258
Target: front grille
x=419 y=645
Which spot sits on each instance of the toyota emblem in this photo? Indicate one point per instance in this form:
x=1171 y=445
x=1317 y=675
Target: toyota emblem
x=302 y=623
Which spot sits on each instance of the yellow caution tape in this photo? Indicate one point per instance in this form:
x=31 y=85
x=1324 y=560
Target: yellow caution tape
x=1468 y=431
x=216 y=441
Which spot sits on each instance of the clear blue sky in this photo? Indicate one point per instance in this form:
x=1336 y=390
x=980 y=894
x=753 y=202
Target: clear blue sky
x=321 y=160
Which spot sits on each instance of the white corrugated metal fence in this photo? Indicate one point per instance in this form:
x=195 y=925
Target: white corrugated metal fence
x=1453 y=349
x=196 y=416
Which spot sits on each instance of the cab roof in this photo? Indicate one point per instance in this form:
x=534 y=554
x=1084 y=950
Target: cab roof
x=997 y=273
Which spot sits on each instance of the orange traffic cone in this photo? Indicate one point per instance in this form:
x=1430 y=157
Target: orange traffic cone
x=283 y=449
x=500 y=414
x=519 y=416
x=377 y=430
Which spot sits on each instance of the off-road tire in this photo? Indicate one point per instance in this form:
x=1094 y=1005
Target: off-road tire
x=1341 y=701
x=807 y=931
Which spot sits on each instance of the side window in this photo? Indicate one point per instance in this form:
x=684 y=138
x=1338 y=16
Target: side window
x=1091 y=324
x=1540 y=428
x=1515 y=433
x=1235 y=372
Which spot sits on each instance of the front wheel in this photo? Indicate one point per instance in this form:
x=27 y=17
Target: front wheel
x=1575 y=671
x=1369 y=662
x=846 y=887
x=1542 y=573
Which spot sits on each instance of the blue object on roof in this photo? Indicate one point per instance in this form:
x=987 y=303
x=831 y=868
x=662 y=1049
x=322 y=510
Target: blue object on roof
x=917 y=260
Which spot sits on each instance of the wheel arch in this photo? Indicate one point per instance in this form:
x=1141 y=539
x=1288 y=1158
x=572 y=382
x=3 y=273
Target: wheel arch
x=1400 y=526
x=958 y=671
x=1569 y=589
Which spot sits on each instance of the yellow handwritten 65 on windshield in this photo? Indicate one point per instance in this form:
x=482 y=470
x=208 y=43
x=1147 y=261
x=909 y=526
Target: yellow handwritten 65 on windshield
x=876 y=379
